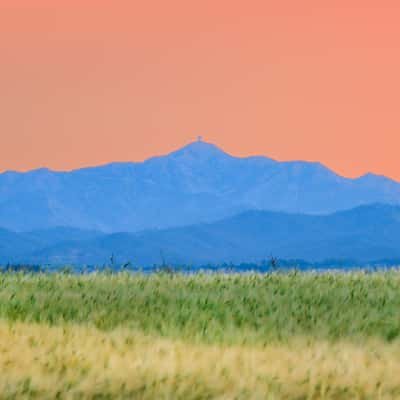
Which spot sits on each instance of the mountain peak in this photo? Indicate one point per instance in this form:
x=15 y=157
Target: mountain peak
x=200 y=150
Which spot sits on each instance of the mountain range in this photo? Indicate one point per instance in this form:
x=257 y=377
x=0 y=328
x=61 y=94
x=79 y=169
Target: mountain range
x=196 y=184
x=364 y=233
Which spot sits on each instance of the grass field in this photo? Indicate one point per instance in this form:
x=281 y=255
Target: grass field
x=165 y=336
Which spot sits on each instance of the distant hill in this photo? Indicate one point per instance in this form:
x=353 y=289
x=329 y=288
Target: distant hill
x=52 y=236
x=196 y=184
x=364 y=233
x=20 y=246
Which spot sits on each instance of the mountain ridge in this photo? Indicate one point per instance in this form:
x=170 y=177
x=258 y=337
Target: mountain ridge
x=364 y=233
x=195 y=184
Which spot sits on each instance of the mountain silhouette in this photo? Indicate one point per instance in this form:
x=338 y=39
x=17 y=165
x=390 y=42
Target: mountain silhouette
x=196 y=184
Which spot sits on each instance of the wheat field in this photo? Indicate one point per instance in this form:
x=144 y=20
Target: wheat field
x=129 y=336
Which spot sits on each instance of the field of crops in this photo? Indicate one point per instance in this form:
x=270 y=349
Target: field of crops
x=215 y=336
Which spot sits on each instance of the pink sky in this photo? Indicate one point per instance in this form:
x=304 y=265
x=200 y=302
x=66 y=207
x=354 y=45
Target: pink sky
x=89 y=82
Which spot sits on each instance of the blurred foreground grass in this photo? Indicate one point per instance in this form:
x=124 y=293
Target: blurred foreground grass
x=277 y=336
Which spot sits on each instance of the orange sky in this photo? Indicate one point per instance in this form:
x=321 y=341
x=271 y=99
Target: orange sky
x=88 y=82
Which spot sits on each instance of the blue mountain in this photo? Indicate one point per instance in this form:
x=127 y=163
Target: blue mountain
x=15 y=245
x=364 y=234
x=199 y=183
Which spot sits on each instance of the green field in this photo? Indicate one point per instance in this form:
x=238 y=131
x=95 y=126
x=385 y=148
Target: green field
x=172 y=336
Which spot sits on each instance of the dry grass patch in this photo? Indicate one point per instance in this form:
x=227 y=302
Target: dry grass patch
x=81 y=362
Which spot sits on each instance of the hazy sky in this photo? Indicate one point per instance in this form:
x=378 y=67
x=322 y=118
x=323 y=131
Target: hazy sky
x=88 y=82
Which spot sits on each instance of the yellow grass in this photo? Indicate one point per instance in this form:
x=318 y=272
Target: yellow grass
x=72 y=362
